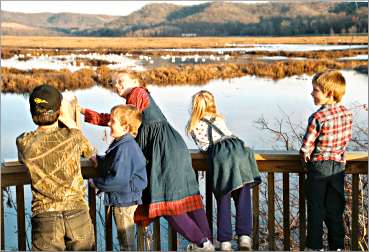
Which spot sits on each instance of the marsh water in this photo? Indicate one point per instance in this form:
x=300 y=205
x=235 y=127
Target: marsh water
x=242 y=101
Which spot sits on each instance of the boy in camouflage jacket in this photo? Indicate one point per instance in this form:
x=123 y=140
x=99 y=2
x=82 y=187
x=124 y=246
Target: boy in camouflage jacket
x=60 y=213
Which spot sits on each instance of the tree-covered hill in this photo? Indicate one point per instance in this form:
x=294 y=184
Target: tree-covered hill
x=208 y=19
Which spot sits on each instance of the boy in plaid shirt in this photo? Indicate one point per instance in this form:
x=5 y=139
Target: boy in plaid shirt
x=323 y=150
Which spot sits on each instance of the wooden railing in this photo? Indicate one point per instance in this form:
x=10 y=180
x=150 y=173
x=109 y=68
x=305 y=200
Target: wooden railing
x=14 y=174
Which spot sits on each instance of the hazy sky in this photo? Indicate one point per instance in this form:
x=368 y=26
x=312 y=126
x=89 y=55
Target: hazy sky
x=121 y=8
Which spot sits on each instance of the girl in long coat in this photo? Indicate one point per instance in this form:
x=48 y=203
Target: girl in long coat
x=172 y=191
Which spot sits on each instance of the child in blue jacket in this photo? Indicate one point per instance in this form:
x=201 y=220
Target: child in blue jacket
x=123 y=172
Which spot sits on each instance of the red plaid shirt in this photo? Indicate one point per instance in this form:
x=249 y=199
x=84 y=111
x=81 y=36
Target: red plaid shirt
x=328 y=133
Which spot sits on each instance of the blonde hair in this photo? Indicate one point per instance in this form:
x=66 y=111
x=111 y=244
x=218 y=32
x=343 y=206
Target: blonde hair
x=331 y=81
x=132 y=75
x=203 y=104
x=128 y=115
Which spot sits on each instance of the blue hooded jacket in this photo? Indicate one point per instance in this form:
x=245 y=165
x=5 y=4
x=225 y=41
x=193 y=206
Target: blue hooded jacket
x=123 y=172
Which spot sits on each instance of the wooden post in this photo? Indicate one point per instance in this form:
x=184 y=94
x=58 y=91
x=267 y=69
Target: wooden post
x=156 y=234
x=108 y=229
x=209 y=199
x=302 y=211
x=172 y=239
x=92 y=205
x=286 y=212
x=21 y=218
x=2 y=221
x=255 y=217
x=271 y=210
x=355 y=213
x=140 y=238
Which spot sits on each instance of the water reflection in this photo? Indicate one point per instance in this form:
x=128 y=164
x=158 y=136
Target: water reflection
x=241 y=101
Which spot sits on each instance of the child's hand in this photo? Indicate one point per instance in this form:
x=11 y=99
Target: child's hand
x=91 y=182
x=304 y=160
x=94 y=161
x=66 y=116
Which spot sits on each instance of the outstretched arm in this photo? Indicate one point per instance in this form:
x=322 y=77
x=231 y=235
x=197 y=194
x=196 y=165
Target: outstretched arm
x=95 y=118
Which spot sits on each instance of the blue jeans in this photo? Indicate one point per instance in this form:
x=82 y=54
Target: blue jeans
x=71 y=230
x=242 y=200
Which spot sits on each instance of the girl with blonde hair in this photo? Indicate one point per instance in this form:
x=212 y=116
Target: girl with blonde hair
x=232 y=166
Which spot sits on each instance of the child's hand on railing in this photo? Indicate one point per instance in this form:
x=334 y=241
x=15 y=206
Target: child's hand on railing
x=91 y=182
x=94 y=161
x=304 y=160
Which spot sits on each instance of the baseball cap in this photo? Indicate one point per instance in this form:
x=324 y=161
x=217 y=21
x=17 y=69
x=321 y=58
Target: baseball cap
x=45 y=99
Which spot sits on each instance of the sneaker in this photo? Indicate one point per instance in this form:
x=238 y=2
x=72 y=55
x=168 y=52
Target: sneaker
x=206 y=246
x=309 y=249
x=226 y=246
x=244 y=242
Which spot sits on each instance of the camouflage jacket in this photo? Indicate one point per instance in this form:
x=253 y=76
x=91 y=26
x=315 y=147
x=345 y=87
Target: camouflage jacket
x=52 y=158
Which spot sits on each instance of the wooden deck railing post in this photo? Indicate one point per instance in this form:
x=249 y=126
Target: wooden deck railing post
x=172 y=239
x=355 y=213
x=140 y=238
x=21 y=218
x=271 y=212
x=108 y=229
x=2 y=221
x=92 y=205
x=209 y=200
x=286 y=211
x=255 y=217
x=156 y=234
x=15 y=174
x=302 y=211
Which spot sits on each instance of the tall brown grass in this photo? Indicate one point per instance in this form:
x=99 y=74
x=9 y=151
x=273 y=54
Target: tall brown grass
x=9 y=52
x=169 y=42
x=18 y=81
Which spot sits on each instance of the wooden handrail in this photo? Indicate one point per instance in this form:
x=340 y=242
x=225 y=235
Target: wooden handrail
x=15 y=174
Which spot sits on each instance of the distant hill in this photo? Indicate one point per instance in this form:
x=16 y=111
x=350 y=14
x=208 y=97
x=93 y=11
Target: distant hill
x=208 y=19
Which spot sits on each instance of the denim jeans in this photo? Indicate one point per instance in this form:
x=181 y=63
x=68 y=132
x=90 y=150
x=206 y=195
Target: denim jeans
x=70 y=230
x=123 y=217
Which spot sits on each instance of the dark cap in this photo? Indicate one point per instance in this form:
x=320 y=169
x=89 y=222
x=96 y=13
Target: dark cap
x=45 y=99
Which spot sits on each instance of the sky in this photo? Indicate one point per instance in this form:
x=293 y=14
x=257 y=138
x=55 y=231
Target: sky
x=119 y=8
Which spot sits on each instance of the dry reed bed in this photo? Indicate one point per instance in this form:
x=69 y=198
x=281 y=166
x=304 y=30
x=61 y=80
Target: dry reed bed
x=169 y=42
x=17 y=81
x=322 y=54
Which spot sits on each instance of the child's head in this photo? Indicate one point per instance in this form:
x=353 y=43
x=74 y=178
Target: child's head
x=45 y=102
x=332 y=85
x=125 y=81
x=124 y=119
x=203 y=104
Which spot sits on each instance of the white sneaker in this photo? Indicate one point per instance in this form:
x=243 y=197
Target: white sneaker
x=309 y=249
x=244 y=242
x=206 y=246
x=226 y=246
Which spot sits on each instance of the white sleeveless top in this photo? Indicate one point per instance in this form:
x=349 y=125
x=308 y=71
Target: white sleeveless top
x=200 y=133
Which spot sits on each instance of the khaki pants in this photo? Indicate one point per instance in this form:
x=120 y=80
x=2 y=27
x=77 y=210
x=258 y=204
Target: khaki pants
x=71 y=230
x=123 y=217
